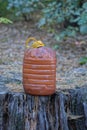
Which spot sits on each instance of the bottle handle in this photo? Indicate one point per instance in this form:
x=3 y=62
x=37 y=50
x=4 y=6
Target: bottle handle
x=36 y=43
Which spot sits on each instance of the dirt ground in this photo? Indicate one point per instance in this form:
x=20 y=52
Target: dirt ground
x=70 y=73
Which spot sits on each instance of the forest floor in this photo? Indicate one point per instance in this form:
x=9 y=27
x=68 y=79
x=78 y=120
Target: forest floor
x=70 y=74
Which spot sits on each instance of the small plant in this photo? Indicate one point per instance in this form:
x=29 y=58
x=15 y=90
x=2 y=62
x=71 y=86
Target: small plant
x=5 y=20
x=83 y=60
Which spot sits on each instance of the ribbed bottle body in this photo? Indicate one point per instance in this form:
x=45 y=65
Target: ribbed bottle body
x=39 y=71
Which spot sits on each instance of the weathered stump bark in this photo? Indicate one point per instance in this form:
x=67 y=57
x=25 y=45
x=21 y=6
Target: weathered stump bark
x=65 y=110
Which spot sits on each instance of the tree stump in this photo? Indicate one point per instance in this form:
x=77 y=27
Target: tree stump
x=65 y=110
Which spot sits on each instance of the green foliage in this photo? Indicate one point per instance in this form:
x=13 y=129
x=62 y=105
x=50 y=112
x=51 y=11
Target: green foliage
x=83 y=60
x=23 y=8
x=5 y=20
x=69 y=16
x=82 y=19
x=69 y=31
x=4 y=12
x=3 y=8
x=83 y=29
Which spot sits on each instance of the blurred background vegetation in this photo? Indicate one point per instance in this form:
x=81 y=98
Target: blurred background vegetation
x=61 y=17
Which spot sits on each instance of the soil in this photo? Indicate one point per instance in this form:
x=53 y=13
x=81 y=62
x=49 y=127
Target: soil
x=70 y=74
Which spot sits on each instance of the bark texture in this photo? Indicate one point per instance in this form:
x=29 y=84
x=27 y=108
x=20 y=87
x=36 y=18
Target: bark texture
x=65 y=110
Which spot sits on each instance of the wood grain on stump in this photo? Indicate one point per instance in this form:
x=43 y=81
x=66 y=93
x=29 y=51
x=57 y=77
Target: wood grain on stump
x=65 y=110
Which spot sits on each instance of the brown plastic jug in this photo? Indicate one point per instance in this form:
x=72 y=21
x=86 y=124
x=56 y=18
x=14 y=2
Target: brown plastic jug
x=39 y=69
